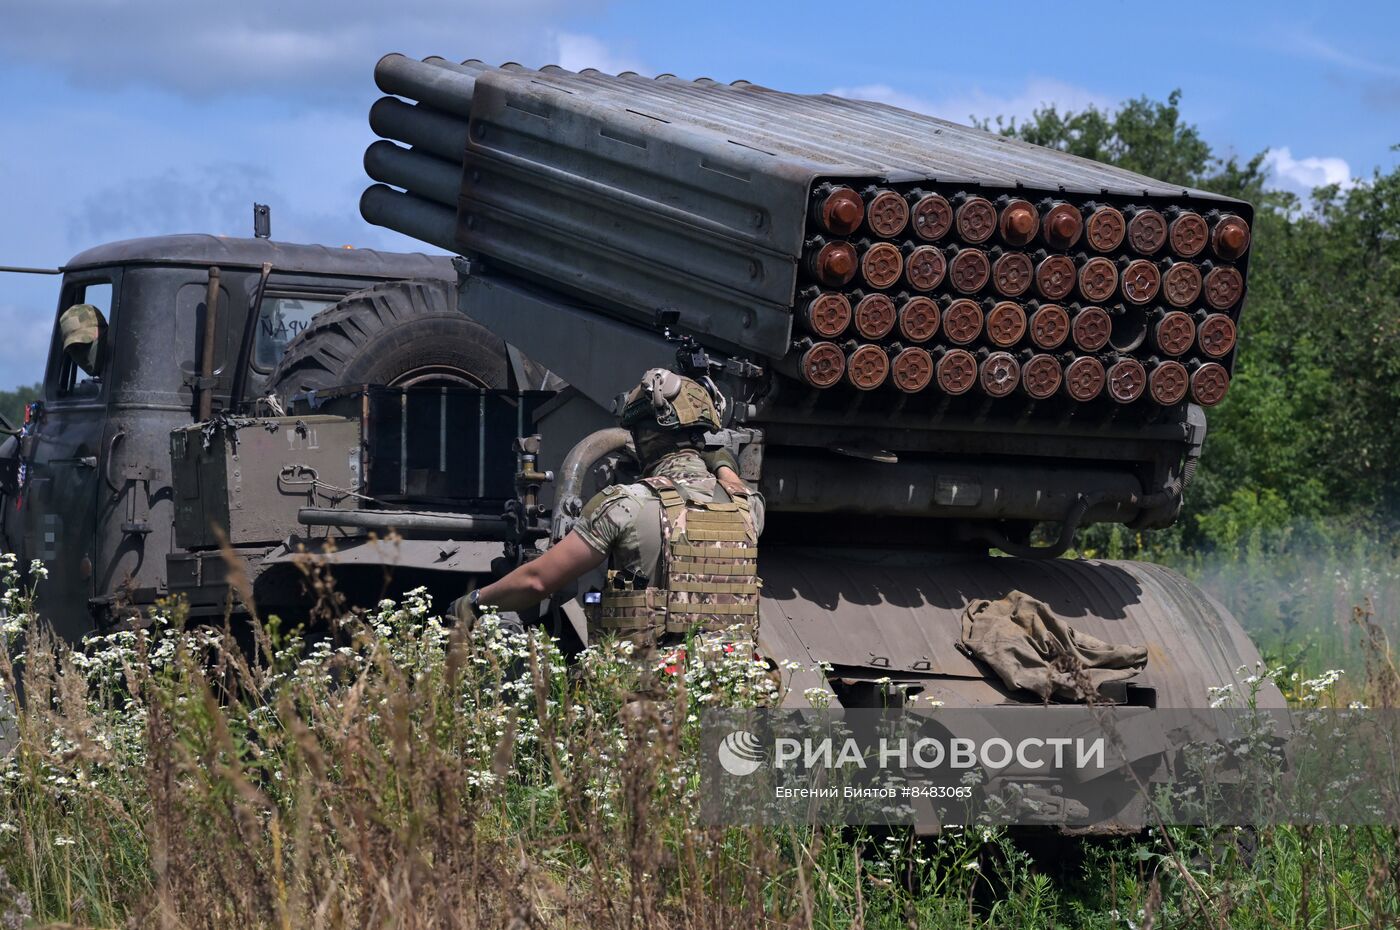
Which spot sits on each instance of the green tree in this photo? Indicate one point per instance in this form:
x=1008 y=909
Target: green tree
x=1311 y=418
x=12 y=402
x=1142 y=135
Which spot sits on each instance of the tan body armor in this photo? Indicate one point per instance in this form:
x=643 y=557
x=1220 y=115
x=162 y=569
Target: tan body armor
x=709 y=565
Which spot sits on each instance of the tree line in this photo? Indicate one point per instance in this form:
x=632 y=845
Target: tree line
x=1309 y=433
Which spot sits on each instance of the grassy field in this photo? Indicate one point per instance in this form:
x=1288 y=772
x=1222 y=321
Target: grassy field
x=1295 y=589
x=403 y=774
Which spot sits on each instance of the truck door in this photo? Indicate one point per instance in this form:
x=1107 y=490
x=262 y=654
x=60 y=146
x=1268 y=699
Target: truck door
x=58 y=501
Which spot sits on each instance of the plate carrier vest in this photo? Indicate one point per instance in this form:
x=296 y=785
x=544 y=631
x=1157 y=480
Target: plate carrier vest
x=709 y=565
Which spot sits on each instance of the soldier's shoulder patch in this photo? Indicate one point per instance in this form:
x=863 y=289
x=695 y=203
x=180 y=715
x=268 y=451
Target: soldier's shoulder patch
x=612 y=494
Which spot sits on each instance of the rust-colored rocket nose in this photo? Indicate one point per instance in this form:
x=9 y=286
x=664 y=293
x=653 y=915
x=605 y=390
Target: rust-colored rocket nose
x=1019 y=222
x=912 y=370
x=1216 y=335
x=957 y=372
x=842 y=211
x=1041 y=377
x=1106 y=229
x=888 y=213
x=1127 y=379
x=828 y=314
x=822 y=365
x=1168 y=383
x=1000 y=374
x=962 y=322
x=836 y=264
x=1230 y=238
x=1062 y=226
x=1209 y=383
x=867 y=368
x=1084 y=378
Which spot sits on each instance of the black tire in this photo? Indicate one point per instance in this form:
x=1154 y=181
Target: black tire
x=398 y=333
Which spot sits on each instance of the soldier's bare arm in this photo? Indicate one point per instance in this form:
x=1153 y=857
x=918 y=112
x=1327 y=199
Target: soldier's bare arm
x=538 y=579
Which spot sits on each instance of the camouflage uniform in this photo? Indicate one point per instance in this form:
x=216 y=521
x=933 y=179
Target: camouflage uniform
x=83 y=327
x=683 y=544
x=661 y=586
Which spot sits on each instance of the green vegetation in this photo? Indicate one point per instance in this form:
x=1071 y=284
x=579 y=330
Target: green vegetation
x=1309 y=432
x=407 y=774
x=1294 y=515
x=12 y=402
x=404 y=774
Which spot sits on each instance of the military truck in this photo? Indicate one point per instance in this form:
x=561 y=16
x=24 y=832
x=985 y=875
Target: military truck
x=943 y=353
x=134 y=481
x=936 y=343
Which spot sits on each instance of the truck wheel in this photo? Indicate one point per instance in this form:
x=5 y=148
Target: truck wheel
x=400 y=334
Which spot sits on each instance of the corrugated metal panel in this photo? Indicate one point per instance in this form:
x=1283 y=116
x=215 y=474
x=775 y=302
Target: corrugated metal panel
x=904 y=618
x=640 y=193
x=829 y=135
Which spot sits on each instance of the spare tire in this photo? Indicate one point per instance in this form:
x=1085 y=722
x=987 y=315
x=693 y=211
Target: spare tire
x=401 y=334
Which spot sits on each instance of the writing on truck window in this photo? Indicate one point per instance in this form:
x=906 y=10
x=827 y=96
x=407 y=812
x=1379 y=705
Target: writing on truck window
x=281 y=320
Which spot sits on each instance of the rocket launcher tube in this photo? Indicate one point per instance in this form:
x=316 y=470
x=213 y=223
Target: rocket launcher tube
x=419 y=174
x=435 y=82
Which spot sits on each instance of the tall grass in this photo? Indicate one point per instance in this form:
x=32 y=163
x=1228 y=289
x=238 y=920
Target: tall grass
x=401 y=773
x=1292 y=586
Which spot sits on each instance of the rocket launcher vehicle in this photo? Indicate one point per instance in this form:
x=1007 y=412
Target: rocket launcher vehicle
x=915 y=319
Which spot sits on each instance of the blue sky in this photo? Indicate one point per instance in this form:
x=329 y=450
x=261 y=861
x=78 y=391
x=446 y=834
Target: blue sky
x=143 y=117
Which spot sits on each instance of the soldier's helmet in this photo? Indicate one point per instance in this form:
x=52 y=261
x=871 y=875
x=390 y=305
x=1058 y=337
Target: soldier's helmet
x=668 y=401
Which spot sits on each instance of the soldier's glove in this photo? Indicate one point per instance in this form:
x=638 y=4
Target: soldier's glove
x=715 y=458
x=464 y=608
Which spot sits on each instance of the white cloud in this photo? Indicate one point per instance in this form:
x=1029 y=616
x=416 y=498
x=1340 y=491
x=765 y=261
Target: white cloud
x=1301 y=175
x=962 y=107
x=129 y=164
x=577 y=52
x=1318 y=49
x=307 y=49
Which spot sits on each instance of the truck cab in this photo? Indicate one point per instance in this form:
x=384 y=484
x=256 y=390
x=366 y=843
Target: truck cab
x=87 y=485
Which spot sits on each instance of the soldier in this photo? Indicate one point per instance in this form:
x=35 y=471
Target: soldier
x=681 y=544
x=84 y=331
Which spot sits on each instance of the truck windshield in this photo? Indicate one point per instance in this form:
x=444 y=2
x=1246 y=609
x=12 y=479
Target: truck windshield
x=281 y=319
